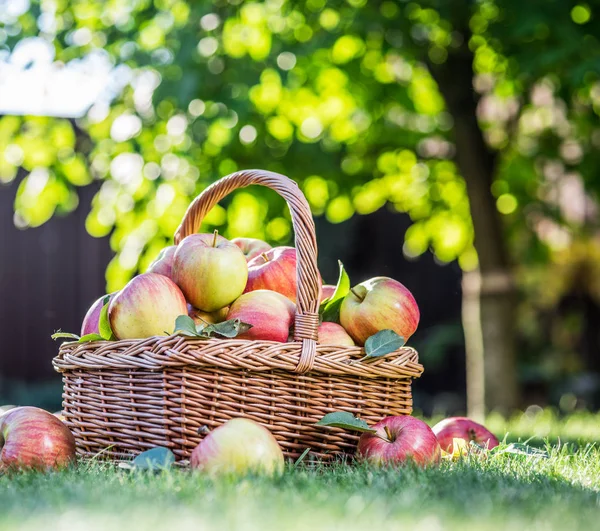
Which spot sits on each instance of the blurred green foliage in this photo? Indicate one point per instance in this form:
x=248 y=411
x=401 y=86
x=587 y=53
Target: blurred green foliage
x=337 y=95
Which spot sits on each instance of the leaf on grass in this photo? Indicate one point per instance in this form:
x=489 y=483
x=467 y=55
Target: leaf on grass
x=158 y=458
x=524 y=449
x=90 y=337
x=382 y=343
x=329 y=309
x=104 y=324
x=64 y=335
x=185 y=325
x=343 y=419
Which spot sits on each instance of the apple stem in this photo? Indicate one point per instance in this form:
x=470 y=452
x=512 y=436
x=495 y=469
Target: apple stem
x=382 y=437
x=216 y=233
x=389 y=434
x=356 y=295
x=264 y=255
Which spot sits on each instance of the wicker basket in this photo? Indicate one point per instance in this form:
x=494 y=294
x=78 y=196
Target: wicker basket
x=123 y=397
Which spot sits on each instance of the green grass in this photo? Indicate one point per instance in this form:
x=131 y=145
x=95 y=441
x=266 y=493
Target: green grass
x=501 y=492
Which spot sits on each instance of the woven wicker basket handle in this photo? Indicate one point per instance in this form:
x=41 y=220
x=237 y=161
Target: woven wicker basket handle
x=307 y=275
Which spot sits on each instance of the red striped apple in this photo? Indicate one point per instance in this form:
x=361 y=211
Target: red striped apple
x=92 y=317
x=327 y=291
x=270 y=314
x=251 y=247
x=334 y=334
x=33 y=438
x=399 y=440
x=380 y=303
x=147 y=306
x=210 y=270
x=201 y=317
x=463 y=428
x=163 y=264
x=274 y=270
x=240 y=446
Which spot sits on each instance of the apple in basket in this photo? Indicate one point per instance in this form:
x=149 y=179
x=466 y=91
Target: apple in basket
x=163 y=264
x=92 y=317
x=327 y=291
x=240 y=446
x=210 y=270
x=270 y=314
x=201 y=317
x=275 y=270
x=334 y=334
x=33 y=438
x=379 y=303
x=400 y=439
x=463 y=428
x=251 y=247
x=147 y=306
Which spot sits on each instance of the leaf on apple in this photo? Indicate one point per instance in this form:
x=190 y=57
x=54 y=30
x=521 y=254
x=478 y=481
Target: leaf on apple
x=90 y=337
x=345 y=420
x=104 y=324
x=382 y=343
x=329 y=310
x=158 y=458
x=186 y=326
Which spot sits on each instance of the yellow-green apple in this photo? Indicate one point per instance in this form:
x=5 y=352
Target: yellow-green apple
x=270 y=314
x=274 y=270
x=92 y=317
x=210 y=270
x=379 y=303
x=399 y=440
x=334 y=334
x=147 y=306
x=163 y=264
x=463 y=428
x=201 y=317
x=327 y=291
x=33 y=438
x=240 y=446
x=251 y=247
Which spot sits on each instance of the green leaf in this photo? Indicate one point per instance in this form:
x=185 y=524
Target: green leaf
x=524 y=449
x=382 y=343
x=90 y=337
x=158 y=458
x=343 y=419
x=230 y=329
x=64 y=335
x=330 y=308
x=104 y=324
x=185 y=325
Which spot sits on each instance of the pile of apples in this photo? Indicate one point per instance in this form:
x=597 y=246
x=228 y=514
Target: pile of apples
x=212 y=279
x=31 y=438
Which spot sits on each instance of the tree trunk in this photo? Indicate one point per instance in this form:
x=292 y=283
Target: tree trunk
x=488 y=294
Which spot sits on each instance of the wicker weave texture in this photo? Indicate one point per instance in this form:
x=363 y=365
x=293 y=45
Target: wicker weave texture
x=123 y=397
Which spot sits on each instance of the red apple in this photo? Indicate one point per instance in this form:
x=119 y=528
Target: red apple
x=399 y=440
x=210 y=270
x=33 y=438
x=163 y=264
x=251 y=247
x=147 y=306
x=92 y=317
x=327 y=291
x=463 y=428
x=274 y=270
x=378 y=304
x=201 y=317
x=240 y=446
x=334 y=334
x=270 y=314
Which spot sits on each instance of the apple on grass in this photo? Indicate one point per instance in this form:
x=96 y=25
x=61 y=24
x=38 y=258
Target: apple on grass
x=210 y=270
x=163 y=264
x=33 y=438
x=334 y=334
x=91 y=320
x=399 y=440
x=270 y=314
x=463 y=428
x=147 y=306
x=380 y=303
x=251 y=247
x=240 y=446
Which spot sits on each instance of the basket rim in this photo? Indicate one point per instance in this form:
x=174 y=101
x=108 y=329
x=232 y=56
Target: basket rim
x=177 y=352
